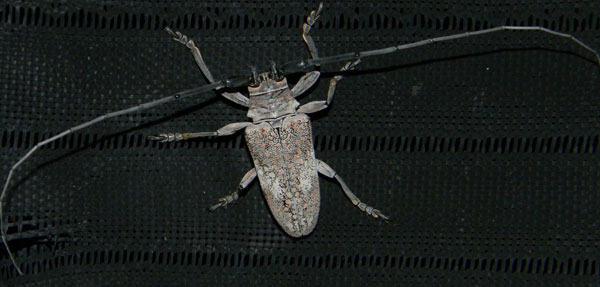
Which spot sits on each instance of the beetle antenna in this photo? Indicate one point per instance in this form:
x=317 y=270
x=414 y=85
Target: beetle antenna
x=254 y=77
x=275 y=73
x=235 y=81
x=301 y=65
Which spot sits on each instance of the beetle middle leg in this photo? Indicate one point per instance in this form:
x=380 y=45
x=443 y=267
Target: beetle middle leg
x=246 y=180
x=326 y=170
x=224 y=131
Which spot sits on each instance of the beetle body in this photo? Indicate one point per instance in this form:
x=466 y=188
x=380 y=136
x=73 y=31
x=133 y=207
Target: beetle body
x=280 y=142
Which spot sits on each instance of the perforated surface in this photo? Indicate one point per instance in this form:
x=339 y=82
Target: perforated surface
x=484 y=151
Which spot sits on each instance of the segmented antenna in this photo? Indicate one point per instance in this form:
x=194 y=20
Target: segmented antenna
x=305 y=64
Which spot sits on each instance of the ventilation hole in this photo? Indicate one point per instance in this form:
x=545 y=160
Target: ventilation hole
x=561 y=268
x=496 y=265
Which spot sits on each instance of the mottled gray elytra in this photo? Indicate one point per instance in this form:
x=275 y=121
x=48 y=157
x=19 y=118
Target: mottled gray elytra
x=279 y=137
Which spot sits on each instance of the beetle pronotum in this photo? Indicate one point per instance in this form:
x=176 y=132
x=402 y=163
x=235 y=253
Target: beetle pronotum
x=279 y=136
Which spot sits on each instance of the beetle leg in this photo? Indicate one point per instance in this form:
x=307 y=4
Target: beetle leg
x=333 y=82
x=326 y=170
x=246 y=180
x=310 y=21
x=315 y=106
x=183 y=39
x=224 y=131
x=305 y=82
x=236 y=97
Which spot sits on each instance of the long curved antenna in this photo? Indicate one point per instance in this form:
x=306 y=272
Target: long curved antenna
x=232 y=82
x=297 y=66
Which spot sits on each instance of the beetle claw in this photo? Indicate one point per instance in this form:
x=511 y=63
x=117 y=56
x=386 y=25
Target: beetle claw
x=225 y=200
x=220 y=204
x=161 y=138
x=377 y=213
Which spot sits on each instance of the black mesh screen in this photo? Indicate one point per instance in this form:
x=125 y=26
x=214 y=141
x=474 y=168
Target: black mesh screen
x=484 y=151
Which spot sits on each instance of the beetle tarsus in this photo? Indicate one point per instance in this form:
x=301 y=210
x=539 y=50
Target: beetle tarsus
x=225 y=200
x=378 y=214
x=168 y=137
x=310 y=21
x=181 y=38
x=375 y=213
x=314 y=15
x=157 y=138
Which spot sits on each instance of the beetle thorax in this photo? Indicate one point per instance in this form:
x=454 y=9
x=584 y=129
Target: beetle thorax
x=270 y=99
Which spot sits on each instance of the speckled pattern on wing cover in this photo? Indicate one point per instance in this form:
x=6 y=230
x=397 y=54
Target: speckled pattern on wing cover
x=285 y=163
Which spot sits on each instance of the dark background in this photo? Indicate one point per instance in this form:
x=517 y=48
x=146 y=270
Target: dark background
x=484 y=151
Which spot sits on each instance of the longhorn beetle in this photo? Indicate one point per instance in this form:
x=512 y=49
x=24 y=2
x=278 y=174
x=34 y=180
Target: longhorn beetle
x=279 y=136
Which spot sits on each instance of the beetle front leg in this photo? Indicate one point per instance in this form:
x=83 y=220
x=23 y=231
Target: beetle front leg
x=326 y=170
x=246 y=180
x=235 y=97
x=310 y=21
x=224 y=131
x=309 y=79
x=315 y=106
x=189 y=43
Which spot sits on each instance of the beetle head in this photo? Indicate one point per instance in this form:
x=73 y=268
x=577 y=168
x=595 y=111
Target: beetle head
x=267 y=81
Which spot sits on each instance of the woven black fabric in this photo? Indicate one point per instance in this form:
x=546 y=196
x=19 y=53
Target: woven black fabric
x=484 y=151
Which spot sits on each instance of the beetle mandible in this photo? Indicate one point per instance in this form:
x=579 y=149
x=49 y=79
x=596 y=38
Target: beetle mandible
x=279 y=137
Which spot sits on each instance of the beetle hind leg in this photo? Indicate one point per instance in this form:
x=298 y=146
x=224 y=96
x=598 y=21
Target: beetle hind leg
x=326 y=170
x=225 y=200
